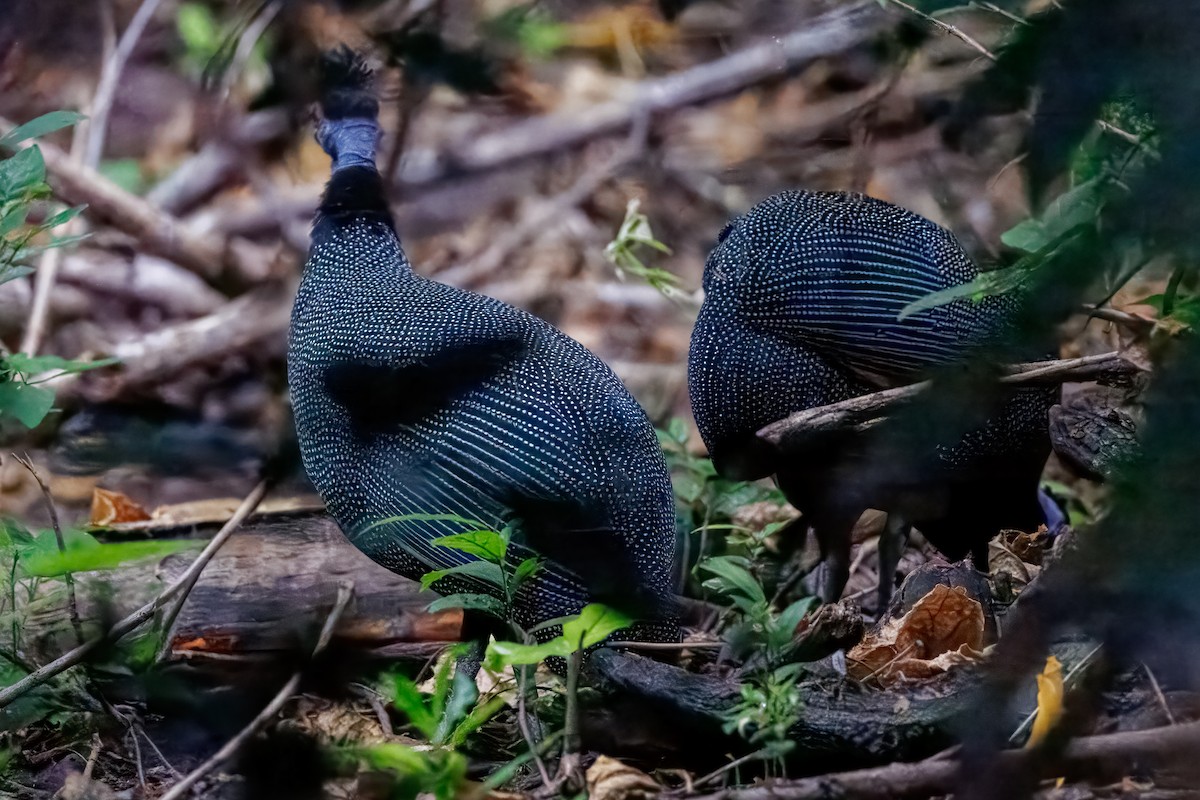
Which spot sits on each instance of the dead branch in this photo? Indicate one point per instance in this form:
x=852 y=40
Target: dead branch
x=832 y=33
x=230 y=749
x=856 y=410
x=143 y=614
x=934 y=777
x=230 y=264
x=217 y=164
x=86 y=148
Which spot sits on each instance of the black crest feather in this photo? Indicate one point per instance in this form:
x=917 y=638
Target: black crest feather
x=347 y=85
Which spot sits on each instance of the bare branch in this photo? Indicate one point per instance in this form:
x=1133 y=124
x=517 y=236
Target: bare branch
x=232 y=264
x=831 y=33
x=864 y=408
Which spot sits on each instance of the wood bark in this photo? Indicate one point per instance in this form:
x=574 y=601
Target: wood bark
x=265 y=591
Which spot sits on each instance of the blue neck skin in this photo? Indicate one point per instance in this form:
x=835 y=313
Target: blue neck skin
x=350 y=142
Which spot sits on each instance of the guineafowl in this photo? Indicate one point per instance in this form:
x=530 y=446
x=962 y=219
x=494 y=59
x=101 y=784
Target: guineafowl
x=802 y=302
x=416 y=402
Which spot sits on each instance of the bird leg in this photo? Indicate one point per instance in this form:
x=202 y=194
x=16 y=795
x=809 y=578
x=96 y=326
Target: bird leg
x=892 y=541
x=833 y=537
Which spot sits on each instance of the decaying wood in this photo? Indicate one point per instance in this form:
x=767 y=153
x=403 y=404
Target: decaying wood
x=263 y=594
x=798 y=427
x=1091 y=435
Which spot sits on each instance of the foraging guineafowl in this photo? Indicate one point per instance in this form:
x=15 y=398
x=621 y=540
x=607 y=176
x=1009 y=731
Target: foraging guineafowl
x=802 y=298
x=414 y=399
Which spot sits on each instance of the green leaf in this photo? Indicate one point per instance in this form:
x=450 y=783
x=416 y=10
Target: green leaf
x=34 y=365
x=40 y=126
x=26 y=170
x=126 y=173
x=595 y=623
x=12 y=273
x=504 y=654
x=481 y=570
x=525 y=570
x=462 y=699
x=26 y=253
x=474 y=721
x=1073 y=208
x=28 y=404
x=410 y=702
x=985 y=284
x=470 y=602
x=198 y=29
x=396 y=758
x=13 y=218
x=62 y=217
x=485 y=544
x=84 y=554
x=735 y=579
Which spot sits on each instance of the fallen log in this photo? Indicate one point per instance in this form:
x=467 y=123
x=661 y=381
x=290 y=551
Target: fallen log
x=270 y=585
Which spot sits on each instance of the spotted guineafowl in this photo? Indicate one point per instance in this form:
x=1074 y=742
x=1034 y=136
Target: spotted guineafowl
x=802 y=303
x=415 y=401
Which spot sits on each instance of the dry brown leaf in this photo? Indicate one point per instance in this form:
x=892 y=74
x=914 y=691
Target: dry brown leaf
x=332 y=722
x=214 y=510
x=943 y=629
x=110 y=507
x=609 y=779
x=608 y=29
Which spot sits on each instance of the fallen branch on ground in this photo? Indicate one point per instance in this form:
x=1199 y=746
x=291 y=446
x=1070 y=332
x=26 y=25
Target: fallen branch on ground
x=827 y=35
x=232 y=264
x=143 y=614
x=856 y=410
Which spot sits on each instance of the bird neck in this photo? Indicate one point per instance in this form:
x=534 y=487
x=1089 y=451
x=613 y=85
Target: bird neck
x=355 y=192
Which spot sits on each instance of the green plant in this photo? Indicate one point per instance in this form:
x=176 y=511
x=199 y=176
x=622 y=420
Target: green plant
x=29 y=561
x=444 y=717
x=770 y=703
x=22 y=396
x=632 y=236
x=22 y=185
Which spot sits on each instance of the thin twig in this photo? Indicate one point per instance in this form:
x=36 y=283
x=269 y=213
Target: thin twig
x=544 y=212
x=131 y=734
x=1135 y=321
x=69 y=579
x=719 y=771
x=231 y=748
x=1158 y=693
x=945 y=28
x=523 y=688
x=110 y=79
x=46 y=274
x=848 y=413
x=666 y=645
x=92 y=756
x=143 y=614
x=86 y=148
